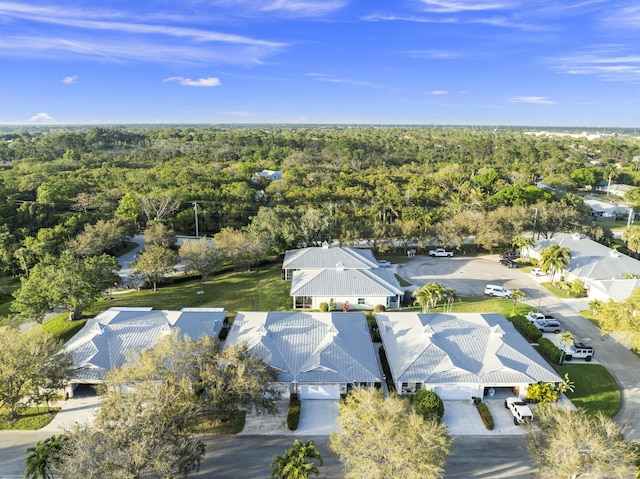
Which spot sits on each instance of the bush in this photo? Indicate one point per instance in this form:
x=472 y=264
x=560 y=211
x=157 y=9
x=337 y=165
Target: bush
x=526 y=328
x=578 y=288
x=486 y=416
x=293 y=413
x=324 y=307
x=542 y=393
x=379 y=308
x=428 y=404
x=549 y=350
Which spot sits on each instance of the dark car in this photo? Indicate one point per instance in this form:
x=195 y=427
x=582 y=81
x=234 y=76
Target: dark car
x=508 y=263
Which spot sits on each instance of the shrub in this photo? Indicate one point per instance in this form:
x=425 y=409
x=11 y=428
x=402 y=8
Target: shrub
x=379 y=308
x=428 y=404
x=293 y=413
x=578 y=288
x=527 y=329
x=549 y=350
x=345 y=307
x=332 y=305
x=542 y=393
x=324 y=307
x=486 y=416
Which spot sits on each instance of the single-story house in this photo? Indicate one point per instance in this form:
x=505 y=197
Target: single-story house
x=317 y=355
x=361 y=288
x=272 y=175
x=327 y=257
x=605 y=210
x=106 y=340
x=460 y=356
x=614 y=189
x=612 y=289
x=591 y=262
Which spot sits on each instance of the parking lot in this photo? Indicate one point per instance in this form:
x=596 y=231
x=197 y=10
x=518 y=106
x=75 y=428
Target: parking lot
x=468 y=275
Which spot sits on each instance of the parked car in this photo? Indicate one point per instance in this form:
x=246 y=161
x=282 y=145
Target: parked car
x=579 y=351
x=495 y=290
x=520 y=410
x=548 y=326
x=537 y=316
x=509 y=263
x=537 y=272
x=510 y=255
x=383 y=263
x=440 y=252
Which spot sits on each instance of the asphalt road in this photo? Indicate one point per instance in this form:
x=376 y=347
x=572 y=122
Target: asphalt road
x=249 y=457
x=469 y=275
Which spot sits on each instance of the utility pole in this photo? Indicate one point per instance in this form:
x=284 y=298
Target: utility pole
x=195 y=208
x=535 y=219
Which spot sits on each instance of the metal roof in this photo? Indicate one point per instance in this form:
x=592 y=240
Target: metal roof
x=439 y=348
x=329 y=257
x=106 y=340
x=591 y=260
x=310 y=347
x=347 y=282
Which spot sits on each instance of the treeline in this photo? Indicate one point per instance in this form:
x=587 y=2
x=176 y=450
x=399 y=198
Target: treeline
x=346 y=184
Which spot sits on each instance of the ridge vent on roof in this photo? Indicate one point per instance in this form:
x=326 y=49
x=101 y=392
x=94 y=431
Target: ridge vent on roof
x=577 y=236
x=497 y=331
x=333 y=331
x=428 y=331
x=262 y=331
x=325 y=245
x=340 y=266
x=614 y=253
x=97 y=328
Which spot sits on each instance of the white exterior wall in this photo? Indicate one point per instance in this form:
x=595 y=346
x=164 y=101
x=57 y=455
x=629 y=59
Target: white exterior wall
x=370 y=302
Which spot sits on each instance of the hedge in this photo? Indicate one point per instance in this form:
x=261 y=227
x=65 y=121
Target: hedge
x=527 y=329
x=293 y=413
x=549 y=350
x=486 y=416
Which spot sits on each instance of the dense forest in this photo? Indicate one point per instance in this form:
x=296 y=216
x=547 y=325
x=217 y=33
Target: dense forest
x=346 y=184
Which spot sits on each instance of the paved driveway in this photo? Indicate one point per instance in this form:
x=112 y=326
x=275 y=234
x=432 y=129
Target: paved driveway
x=468 y=275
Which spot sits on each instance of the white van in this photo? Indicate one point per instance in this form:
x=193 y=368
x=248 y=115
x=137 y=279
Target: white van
x=495 y=290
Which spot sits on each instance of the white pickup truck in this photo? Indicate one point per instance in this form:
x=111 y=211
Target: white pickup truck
x=440 y=252
x=521 y=412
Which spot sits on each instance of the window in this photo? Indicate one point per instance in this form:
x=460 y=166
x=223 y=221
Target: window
x=361 y=301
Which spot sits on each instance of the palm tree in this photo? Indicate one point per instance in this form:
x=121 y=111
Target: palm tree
x=43 y=457
x=451 y=295
x=523 y=242
x=516 y=295
x=610 y=171
x=565 y=340
x=295 y=462
x=429 y=295
x=555 y=258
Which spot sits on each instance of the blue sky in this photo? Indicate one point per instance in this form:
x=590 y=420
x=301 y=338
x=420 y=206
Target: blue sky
x=484 y=62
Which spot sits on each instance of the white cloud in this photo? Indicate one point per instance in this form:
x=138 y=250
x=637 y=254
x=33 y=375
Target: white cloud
x=531 y=99
x=449 y=6
x=113 y=36
x=302 y=8
x=323 y=77
x=207 y=82
x=69 y=80
x=607 y=63
x=40 y=117
x=439 y=92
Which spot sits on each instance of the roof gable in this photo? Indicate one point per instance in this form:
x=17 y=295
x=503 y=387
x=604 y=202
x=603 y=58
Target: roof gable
x=329 y=257
x=348 y=282
x=310 y=347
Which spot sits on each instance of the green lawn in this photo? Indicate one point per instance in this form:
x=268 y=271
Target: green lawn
x=262 y=289
x=30 y=419
x=595 y=388
x=62 y=328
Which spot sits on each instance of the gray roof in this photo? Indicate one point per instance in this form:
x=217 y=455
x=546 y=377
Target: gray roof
x=105 y=341
x=349 y=282
x=310 y=348
x=329 y=257
x=616 y=289
x=459 y=348
x=591 y=260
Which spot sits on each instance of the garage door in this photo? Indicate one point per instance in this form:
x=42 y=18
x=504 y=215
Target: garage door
x=454 y=392
x=325 y=391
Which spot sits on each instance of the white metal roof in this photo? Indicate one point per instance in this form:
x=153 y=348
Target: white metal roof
x=104 y=341
x=616 y=289
x=348 y=282
x=591 y=260
x=310 y=347
x=329 y=257
x=439 y=348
